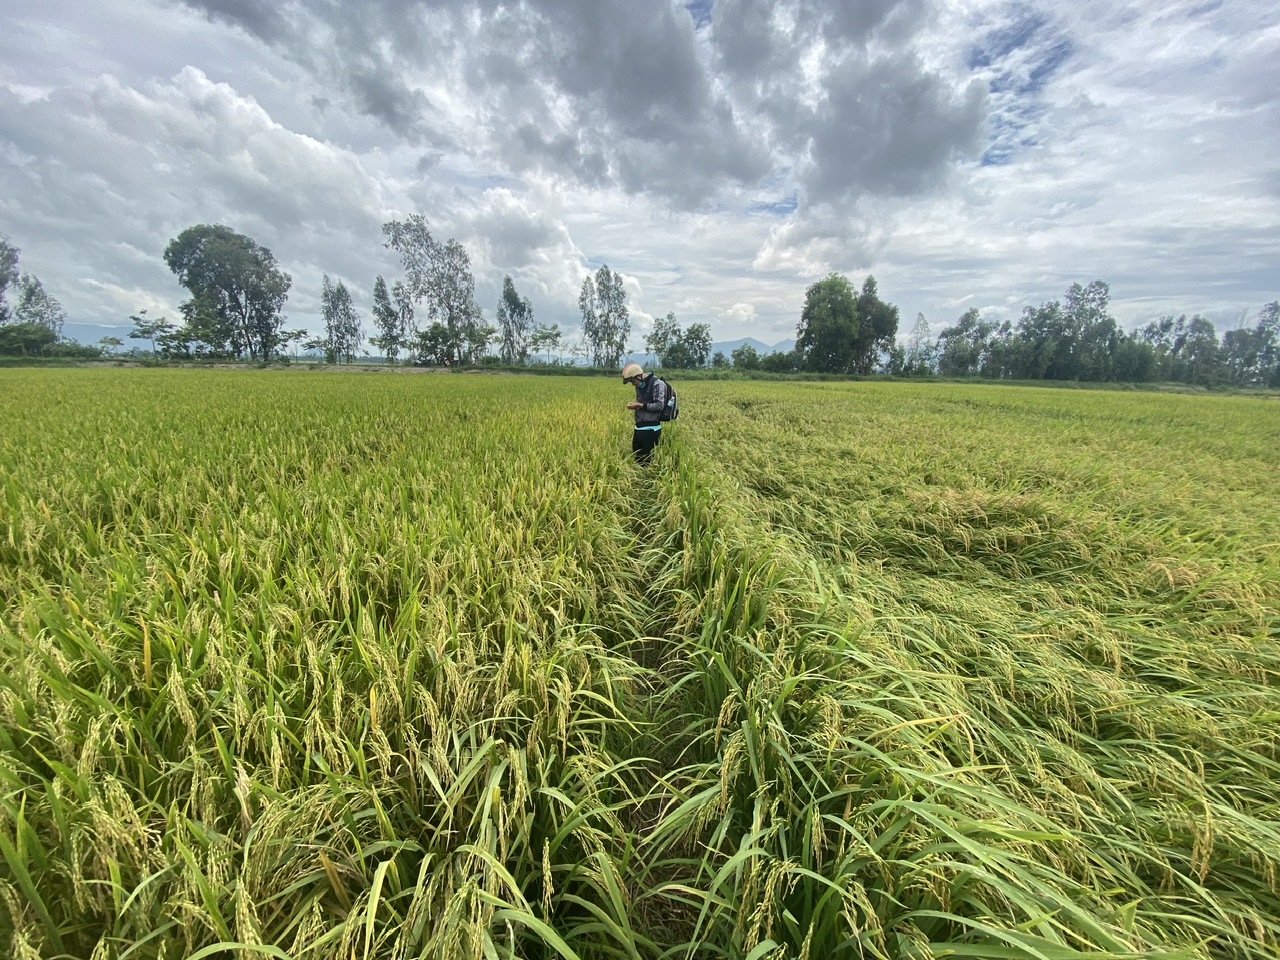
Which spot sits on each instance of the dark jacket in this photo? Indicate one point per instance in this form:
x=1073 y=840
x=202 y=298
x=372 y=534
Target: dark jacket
x=652 y=392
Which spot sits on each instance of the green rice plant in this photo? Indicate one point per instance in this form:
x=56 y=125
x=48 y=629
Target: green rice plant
x=312 y=665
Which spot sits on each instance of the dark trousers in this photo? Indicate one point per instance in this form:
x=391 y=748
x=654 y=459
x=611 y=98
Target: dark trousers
x=643 y=442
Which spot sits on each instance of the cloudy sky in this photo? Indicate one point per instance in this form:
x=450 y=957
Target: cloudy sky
x=720 y=154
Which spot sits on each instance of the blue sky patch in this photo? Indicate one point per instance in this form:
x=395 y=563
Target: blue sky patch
x=775 y=208
x=1019 y=61
x=1000 y=43
x=700 y=10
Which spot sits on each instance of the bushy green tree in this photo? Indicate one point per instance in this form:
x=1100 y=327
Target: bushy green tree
x=841 y=331
x=679 y=349
x=745 y=357
x=665 y=335
x=1197 y=351
x=1159 y=335
x=1251 y=356
x=827 y=336
x=1092 y=330
x=1043 y=343
x=962 y=347
x=237 y=290
x=25 y=339
x=780 y=361
x=208 y=331
x=1134 y=361
x=434 y=346
x=696 y=339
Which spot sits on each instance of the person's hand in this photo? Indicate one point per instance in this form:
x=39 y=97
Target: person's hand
x=634 y=405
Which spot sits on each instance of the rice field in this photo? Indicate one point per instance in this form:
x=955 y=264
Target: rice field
x=333 y=665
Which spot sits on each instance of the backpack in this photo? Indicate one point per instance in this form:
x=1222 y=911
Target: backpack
x=672 y=408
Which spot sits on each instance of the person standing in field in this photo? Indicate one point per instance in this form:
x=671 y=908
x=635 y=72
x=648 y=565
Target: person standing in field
x=651 y=398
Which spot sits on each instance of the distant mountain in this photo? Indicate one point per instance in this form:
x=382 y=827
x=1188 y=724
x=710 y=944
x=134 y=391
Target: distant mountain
x=649 y=360
x=728 y=346
x=646 y=360
x=90 y=333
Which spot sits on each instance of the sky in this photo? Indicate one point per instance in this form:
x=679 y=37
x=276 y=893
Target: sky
x=721 y=155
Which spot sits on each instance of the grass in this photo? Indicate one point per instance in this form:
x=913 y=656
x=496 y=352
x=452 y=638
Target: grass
x=308 y=665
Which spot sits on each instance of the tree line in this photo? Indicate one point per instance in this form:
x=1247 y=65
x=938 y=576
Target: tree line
x=428 y=317
x=1075 y=338
x=237 y=293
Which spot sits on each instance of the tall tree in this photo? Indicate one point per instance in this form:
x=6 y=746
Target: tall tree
x=8 y=274
x=605 y=318
x=1196 y=350
x=36 y=307
x=877 y=326
x=697 y=343
x=236 y=279
x=439 y=274
x=1268 y=364
x=827 y=336
x=386 y=318
x=515 y=320
x=33 y=306
x=1044 y=343
x=1159 y=335
x=1001 y=353
x=402 y=299
x=921 y=350
x=479 y=338
x=341 y=322
x=1240 y=350
x=1093 y=331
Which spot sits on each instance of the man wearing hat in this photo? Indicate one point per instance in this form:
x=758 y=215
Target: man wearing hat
x=651 y=397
